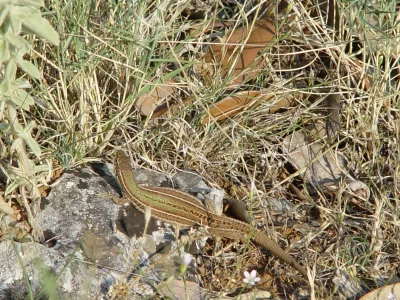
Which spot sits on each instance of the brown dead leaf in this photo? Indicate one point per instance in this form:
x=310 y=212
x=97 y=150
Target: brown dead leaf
x=171 y=107
x=180 y=290
x=238 y=55
x=232 y=105
x=320 y=167
x=150 y=102
x=391 y=291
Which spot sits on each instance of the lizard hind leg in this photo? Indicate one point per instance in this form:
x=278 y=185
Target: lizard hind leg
x=230 y=234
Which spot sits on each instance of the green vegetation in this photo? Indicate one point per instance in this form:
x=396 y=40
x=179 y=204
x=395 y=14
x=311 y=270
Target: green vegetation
x=71 y=97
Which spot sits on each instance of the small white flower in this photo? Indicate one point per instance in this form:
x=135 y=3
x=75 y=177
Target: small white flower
x=251 y=278
x=392 y=296
x=187 y=259
x=184 y=150
x=252 y=186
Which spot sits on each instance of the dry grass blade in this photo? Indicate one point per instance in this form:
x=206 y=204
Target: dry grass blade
x=361 y=74
x=332 y=103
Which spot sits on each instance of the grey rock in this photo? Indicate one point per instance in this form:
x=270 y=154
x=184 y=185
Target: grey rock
x=280 y=205
x=187 y=180
x=193 y=183
x=92 y=244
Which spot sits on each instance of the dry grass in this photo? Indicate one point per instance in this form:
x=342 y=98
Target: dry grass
x=108 y=57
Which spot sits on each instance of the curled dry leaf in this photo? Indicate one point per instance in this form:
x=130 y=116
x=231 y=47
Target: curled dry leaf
x=360 y=189
x=180 y=290
x=320 y=167
x=170 y=106
x=232 y=105
x=154 y=100
x=391 y=291
x=238 y=55
x=160 y=100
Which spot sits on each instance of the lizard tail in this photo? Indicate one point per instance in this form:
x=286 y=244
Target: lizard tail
x=263 y=240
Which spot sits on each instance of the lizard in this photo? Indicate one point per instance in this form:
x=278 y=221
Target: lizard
x=179 y=208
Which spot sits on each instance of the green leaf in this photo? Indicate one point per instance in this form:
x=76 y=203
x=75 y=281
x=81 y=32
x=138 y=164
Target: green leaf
x=12 y=186
x=28 y=68
x=29 y=127
x=11 y=70
x=3 y=100
x=5 y=127
x=16 y=25
x=38 y=3
x=4 y=51
x=5 y=86
x=32 y=20
x=41 y=168
x=17 y=10
x=3 y=15
x=22 y=83
x=31 y=143
x=17 y=41
x=22 y=99
x=18 y=128
x=25 y=134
